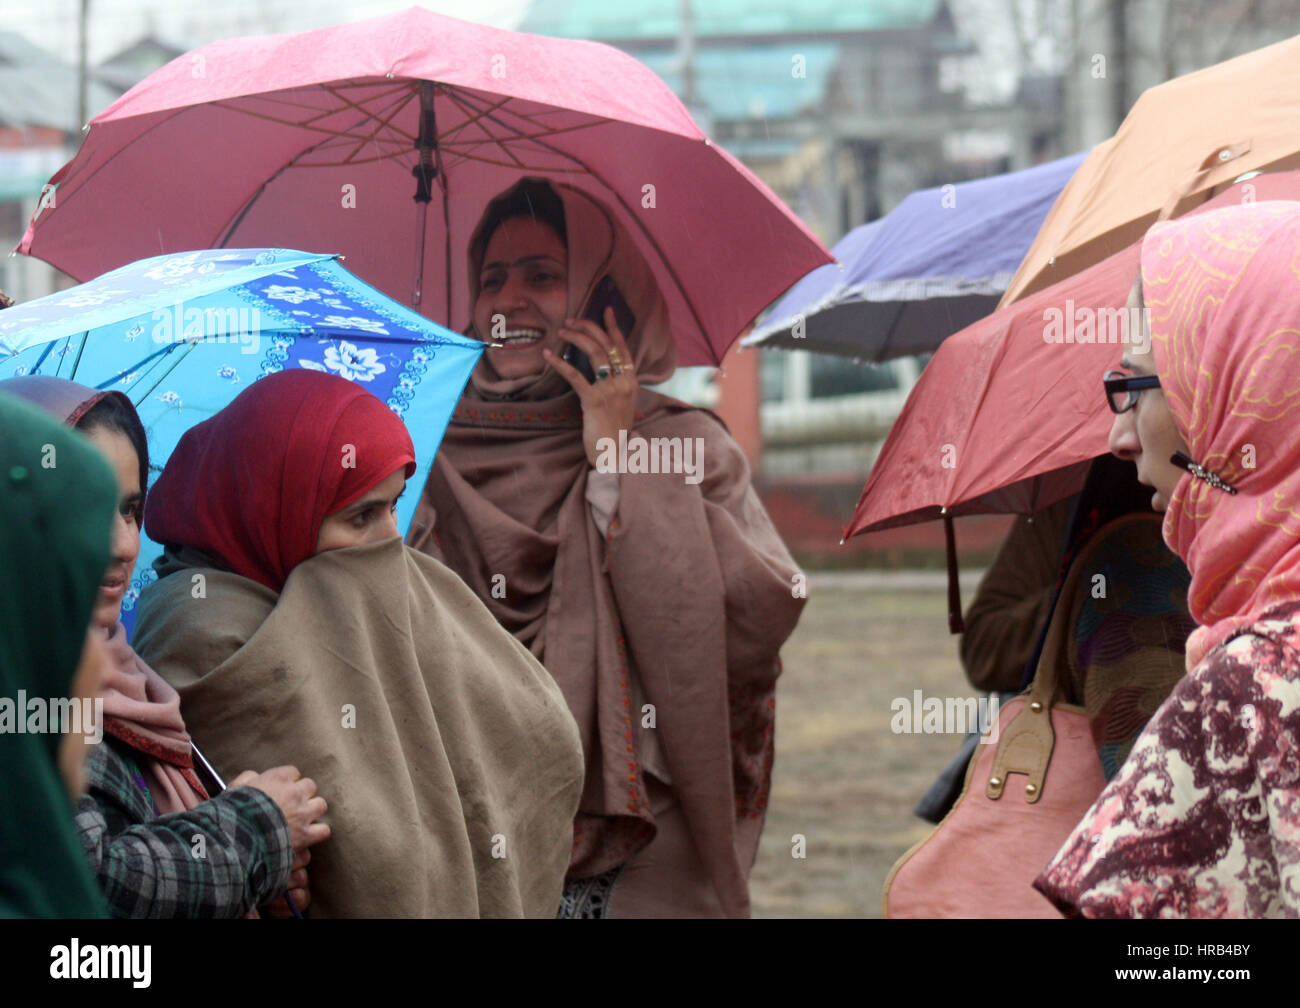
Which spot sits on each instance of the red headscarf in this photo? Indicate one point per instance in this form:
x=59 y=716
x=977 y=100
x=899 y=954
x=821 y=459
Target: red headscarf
x=251 y=486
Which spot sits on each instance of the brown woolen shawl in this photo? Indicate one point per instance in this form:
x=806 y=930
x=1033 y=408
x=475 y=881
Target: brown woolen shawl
x=693 y=584
x=451 y=795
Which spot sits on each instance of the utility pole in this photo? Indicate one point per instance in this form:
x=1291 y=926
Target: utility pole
x=686 y=51
x=1119 y=11
x=83 y=75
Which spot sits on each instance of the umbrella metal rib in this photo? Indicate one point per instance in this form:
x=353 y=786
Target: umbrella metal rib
x=474 y=114
x=361 y=140
x=403 y=94
x=238 y=218
x=403 y=140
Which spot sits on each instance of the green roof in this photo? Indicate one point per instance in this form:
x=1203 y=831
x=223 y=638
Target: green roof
x=661 y=19
x=750 y=82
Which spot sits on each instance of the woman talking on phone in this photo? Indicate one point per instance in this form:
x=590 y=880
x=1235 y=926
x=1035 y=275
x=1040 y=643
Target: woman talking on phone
x=658 y=600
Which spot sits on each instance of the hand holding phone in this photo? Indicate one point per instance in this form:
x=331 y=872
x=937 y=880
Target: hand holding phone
x=605 y=295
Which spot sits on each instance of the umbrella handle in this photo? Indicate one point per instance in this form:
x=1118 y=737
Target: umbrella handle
x=425 y=171
x=956 y=624
x=426 y=143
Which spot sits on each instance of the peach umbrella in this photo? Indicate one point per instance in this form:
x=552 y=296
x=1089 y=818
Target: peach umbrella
x=1181 y=143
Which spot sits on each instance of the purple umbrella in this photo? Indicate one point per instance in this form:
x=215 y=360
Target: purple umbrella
x=937 y=263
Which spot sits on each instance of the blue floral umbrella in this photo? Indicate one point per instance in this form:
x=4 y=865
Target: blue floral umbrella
x=182 y=334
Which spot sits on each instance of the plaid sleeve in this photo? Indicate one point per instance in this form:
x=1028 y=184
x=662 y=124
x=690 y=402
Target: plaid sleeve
x=219 y=859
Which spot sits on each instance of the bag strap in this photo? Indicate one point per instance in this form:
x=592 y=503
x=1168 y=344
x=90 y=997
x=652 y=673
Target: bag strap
x=1025 y=744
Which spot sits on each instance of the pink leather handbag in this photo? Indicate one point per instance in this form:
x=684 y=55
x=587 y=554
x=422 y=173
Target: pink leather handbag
x=1023 y=797
x=1025 y=790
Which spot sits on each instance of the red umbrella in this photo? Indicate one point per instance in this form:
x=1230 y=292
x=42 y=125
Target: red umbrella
x=339 y=139
x=1004 y=418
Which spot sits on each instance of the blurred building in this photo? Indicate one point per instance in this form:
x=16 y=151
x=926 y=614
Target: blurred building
x=39 y=131
x=128 y=67
x=1116 y=49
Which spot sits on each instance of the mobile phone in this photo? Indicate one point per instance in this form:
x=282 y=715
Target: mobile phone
x=576 y=358
x=605 y=295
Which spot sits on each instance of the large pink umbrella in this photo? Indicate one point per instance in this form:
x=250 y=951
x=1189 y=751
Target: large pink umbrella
x=384 y=139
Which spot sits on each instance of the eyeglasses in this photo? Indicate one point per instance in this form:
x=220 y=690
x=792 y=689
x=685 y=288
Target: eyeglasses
x=1122 y=390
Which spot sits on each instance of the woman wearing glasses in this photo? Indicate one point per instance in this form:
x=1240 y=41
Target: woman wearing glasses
x=1203 y=820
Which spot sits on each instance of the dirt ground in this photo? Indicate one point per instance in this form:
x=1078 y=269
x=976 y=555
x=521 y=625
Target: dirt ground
x=842 y=779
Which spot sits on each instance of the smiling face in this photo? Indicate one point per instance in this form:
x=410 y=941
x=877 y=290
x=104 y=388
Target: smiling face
x=119 y=451
x=523 y=296
x=370 y=519
x=1146 y=434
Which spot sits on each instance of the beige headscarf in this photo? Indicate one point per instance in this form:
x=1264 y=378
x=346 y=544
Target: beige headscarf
x=691 y=590
x=597 y=254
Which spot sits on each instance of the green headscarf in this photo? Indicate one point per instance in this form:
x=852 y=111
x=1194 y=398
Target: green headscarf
x=57 y=497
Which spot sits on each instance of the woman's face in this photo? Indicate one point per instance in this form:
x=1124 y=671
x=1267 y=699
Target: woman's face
x=1146 y=434
x=370 y=519
x=119 y=451
x=523 y=296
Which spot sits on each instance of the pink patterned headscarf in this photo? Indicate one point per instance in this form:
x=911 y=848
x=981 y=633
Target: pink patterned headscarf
x=1222 y=290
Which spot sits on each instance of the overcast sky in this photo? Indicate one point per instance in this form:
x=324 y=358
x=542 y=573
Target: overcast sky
x=115 y=24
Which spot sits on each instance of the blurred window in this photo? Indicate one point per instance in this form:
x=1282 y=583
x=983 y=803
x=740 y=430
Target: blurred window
x=11 y=218
x=835 y=376
x=772 y=374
